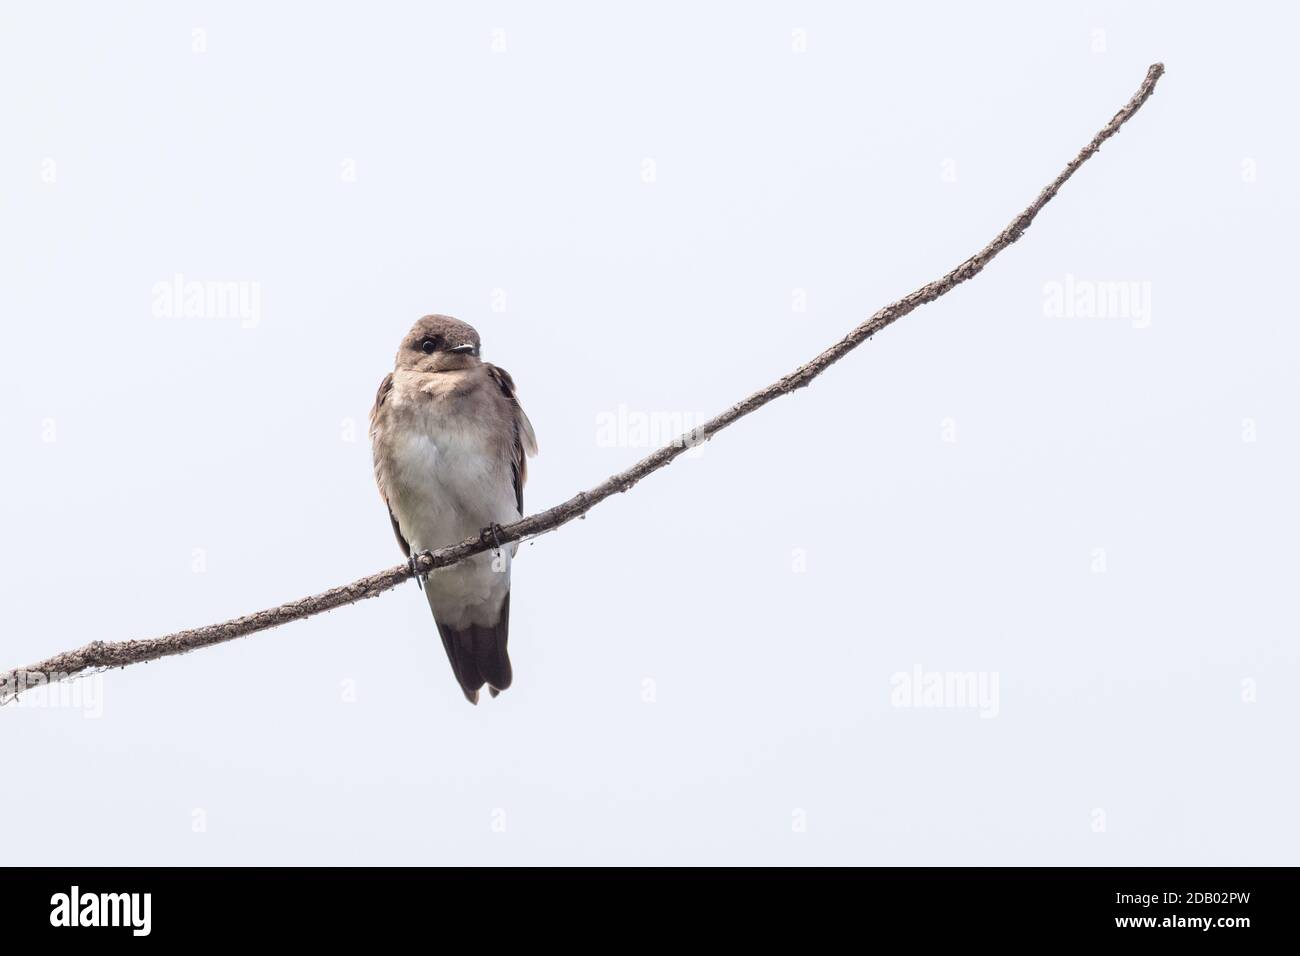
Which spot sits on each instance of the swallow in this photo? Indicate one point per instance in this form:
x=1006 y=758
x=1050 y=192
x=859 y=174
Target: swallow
x=450 y=443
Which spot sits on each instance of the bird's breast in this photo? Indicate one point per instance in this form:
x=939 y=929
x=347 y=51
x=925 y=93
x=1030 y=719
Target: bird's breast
x=448 y=475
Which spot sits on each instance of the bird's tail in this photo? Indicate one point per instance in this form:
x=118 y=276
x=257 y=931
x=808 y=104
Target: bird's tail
x=478 y=654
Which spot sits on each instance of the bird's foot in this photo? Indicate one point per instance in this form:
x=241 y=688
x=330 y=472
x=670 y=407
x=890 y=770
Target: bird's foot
x=490 y=533
x=420 y=576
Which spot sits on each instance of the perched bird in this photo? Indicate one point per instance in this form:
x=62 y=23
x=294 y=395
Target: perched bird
x=449 y=439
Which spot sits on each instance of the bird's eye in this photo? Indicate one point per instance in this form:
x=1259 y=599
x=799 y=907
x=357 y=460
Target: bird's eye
x=428 y=346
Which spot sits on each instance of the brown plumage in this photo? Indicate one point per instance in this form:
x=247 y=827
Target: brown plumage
x=450 y=443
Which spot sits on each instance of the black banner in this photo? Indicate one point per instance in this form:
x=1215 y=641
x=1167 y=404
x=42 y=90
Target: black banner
x=1160 y=906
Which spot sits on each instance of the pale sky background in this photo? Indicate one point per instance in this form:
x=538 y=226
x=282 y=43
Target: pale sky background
x=1098 y=513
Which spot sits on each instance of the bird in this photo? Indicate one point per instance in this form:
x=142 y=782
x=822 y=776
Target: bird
x=450 y=443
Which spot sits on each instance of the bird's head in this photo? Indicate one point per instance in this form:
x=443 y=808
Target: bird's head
x=438 y=343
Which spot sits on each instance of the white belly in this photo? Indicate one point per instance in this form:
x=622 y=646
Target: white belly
x=446 y=484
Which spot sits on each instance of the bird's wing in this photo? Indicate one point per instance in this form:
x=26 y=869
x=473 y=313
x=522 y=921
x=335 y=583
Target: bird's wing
x=525 y=443
x=381 y=473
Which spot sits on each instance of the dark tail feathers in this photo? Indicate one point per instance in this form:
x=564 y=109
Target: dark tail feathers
x=478 y=654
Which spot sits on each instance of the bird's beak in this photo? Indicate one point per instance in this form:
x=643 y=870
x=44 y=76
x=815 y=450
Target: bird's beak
x=463 y=349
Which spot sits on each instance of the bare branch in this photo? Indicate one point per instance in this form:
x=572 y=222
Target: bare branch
x=101 y=654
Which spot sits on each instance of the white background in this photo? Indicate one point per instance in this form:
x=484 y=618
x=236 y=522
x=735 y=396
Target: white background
x=1146 y=713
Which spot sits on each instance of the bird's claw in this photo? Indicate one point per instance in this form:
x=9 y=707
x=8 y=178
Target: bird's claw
x=420 y=576
x=490 y=533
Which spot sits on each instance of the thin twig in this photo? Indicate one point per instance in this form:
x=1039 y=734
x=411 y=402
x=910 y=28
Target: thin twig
x=100 y=654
